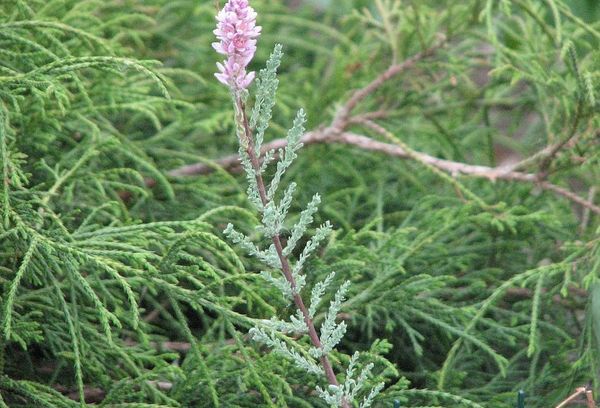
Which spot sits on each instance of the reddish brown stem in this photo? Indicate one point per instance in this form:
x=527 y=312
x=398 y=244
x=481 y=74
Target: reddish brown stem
x=580 y=391
x=248 y=142
x=589 y=398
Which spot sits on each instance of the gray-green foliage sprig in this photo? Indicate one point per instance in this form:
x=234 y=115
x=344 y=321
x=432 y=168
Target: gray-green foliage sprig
x=351 y=387
x=291 y=279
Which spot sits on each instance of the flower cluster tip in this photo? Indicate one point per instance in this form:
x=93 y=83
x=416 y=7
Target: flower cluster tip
x=237 y=33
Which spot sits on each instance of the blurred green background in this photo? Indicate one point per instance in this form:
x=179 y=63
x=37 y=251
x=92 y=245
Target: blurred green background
x=589 y=10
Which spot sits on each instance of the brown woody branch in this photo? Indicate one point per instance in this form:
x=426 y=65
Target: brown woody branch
x=581 y=391
x=330 y=135
x=343 y=115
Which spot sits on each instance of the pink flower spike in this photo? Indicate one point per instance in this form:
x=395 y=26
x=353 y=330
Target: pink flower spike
x=237 y=32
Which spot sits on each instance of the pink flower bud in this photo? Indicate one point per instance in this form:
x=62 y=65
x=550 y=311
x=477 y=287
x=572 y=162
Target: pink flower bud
x=237 y=32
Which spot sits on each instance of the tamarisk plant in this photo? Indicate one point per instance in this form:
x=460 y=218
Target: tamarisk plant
x=237 y=32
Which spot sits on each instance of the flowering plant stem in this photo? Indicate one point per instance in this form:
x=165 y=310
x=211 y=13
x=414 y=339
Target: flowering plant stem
x=247 y=143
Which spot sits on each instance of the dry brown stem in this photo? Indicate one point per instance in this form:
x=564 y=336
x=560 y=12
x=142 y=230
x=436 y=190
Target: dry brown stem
x=329 y=135
x=589 y=398
x=343 y=116
x=580 y=391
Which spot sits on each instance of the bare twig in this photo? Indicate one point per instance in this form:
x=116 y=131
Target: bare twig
x=578 y=392
x=589 y=397
x=231 y=162
x=341 y=119
x=570 y=195
x=329 y=135
x=545 y=153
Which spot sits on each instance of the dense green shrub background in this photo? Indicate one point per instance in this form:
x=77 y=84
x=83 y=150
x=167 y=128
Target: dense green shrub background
x=106 y=260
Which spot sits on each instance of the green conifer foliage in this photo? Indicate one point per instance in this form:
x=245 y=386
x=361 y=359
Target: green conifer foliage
x=118 y=287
